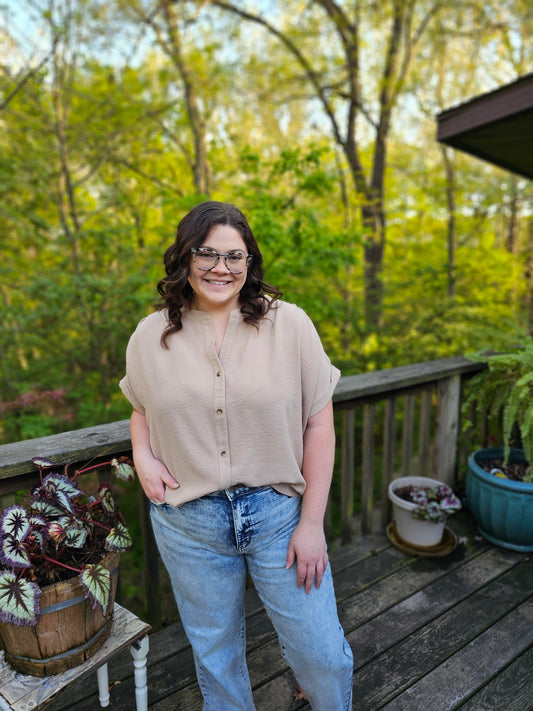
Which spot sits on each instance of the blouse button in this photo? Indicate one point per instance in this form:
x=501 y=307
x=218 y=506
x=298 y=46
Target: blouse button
x=219 y=373
x=223 y=454
x=219 y=411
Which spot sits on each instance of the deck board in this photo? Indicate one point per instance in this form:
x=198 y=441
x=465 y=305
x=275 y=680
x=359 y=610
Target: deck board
x=427 y=633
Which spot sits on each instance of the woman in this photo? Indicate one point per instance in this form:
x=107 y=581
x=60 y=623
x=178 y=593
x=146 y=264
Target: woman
x=233 y=442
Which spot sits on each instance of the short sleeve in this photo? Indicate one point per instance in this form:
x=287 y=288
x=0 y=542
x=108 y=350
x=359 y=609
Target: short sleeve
x=319 y=375
x=132 y=372
x=127 y=390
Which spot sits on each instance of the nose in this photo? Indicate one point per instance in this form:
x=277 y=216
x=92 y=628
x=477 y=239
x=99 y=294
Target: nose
x=220 y=266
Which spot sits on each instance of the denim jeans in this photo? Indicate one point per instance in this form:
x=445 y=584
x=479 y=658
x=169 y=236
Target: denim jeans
x=208 y=546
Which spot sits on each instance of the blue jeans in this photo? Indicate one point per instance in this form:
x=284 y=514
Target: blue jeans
x=208 y=546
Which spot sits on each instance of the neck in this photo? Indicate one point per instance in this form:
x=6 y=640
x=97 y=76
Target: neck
x=217 y=313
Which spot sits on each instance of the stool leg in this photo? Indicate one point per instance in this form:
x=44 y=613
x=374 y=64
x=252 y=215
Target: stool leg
x=139 y=652
x=103 y=685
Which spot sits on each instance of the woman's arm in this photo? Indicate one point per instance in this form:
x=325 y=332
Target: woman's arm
x=152 y=473
x=308 y=542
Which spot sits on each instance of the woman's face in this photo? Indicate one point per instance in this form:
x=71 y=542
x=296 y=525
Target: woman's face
x=219 y=288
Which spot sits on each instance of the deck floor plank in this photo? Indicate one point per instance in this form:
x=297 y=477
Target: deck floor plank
x=410 y=614
x=510 y=689
x=408 y=665
x=461 y=623
x=499 y=645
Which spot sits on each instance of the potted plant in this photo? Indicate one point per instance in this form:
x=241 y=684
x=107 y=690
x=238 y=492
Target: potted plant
x=420 y=508
x=499 y=480
x=58 y=563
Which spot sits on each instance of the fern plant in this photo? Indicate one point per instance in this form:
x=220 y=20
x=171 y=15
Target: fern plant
x=62 y=533
x=506 y=385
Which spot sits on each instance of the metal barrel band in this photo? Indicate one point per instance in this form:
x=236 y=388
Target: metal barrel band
x=68 y=653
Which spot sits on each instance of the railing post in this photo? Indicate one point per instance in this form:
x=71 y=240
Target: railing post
x=389 y=440
x=448 y=412
x=347 y=473
x=425 y=427
x=407 y=435
x=367 y=483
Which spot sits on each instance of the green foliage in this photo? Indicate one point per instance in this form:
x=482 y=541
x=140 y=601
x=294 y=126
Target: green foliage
x=506 y=385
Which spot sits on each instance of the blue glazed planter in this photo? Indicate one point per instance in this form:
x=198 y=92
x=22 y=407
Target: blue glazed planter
x=503 y=509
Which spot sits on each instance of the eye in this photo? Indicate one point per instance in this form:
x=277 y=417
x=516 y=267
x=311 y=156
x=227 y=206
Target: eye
x=235 y=257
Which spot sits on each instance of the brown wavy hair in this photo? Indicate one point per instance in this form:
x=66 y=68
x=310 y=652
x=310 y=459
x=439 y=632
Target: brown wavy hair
x=256 y=296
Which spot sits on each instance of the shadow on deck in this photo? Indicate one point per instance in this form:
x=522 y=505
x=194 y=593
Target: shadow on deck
x=428 y=634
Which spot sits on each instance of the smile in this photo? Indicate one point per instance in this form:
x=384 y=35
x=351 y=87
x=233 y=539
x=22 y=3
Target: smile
x=217 y=283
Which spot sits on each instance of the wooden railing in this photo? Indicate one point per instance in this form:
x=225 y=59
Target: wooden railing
x=379 y=411
x=389 y=423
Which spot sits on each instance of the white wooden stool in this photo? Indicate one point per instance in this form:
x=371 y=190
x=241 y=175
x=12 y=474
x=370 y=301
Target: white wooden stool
x=21 y=692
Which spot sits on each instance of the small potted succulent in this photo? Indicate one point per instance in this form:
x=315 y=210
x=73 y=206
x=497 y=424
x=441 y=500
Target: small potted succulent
x=59 y=552
x=499 y=480
x=420 y=508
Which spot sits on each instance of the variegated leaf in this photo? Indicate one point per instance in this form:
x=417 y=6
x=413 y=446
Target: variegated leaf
x=62 y=488
x=13 y=553
x=43 y=463
x=123 y=470
x=108 y=501
x=19 y=600
x=56 y=533
x=48 y=509
x=96 y=582
x=14 y=522
x=36 y=520
x=118 y=539
x=76 y=535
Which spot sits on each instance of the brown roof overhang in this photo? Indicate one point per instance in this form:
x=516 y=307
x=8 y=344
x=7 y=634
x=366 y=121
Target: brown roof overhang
x=497 y=126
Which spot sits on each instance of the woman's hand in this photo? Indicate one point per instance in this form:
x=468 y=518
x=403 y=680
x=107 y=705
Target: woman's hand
x=152 y=473
x=154 y=477
x=308 y=547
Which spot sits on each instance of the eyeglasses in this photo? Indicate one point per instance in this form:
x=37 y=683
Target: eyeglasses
x=206 y=259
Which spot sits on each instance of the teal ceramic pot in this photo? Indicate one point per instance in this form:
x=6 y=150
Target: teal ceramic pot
x=503 y=509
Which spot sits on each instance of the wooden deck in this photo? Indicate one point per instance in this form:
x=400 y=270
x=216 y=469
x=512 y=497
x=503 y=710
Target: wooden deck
x=428 y=634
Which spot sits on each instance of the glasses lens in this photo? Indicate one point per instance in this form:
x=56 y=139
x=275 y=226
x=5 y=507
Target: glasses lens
x=236 y=262
x=204 y=258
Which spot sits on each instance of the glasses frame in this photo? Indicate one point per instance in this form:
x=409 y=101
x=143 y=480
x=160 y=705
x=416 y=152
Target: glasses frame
x=213 y=252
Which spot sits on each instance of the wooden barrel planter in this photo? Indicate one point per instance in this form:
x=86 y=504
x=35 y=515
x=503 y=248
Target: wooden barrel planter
x=68 y=632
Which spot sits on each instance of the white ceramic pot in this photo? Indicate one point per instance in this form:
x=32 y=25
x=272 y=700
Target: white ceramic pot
x=417 y=532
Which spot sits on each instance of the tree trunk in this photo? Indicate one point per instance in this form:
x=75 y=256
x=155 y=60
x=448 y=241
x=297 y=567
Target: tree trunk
x=450 y=203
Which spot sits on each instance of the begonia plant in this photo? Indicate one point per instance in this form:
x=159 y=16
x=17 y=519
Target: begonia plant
x=433 y=503
x=62 y=532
